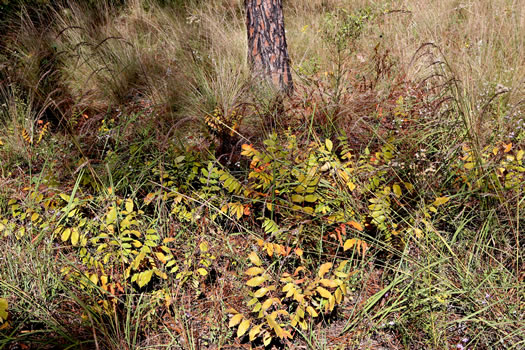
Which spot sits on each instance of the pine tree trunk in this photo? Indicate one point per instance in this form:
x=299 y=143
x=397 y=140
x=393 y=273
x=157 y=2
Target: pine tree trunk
x=267 y=48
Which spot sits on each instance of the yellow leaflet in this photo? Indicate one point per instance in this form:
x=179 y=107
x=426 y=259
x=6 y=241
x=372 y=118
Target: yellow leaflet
x=323 y=292
x=129 y=205
x=243 y=327
x=324 y=269
x=329 y=145
x=260 y=292
x=397 y=190
x=256 y=281
x=328 y=283
x=519 y=155
x=235 y=320
x=338 y=295
x=311 y=311
x=74 y=236
x=349 y=243
x=254 y=258
x=288 y=286
x=267 y=339
x=254 y=332
x=144 y=278
x=297 y=198
x=266 y=305
x=111 y=216
x=204 y=246
x=253 y=271
x=331 y=303
x=269 y=249
x=440 y=200
x=65 y=234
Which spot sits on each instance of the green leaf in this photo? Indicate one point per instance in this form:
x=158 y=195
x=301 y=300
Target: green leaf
x=270 y=226
x=252 y=301
x=311 y=198
x=72 y=213
x=202 y=272
x=257 y=307
x=297 y=198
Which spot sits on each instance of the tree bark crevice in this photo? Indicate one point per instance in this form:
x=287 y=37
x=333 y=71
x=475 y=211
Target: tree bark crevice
x=267 y=47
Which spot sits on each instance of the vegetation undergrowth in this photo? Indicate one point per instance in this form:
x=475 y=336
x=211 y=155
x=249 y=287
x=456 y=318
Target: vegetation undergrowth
x=154 y=195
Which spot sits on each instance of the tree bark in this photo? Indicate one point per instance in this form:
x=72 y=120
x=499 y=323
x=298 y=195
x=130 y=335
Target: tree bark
x=267 y=48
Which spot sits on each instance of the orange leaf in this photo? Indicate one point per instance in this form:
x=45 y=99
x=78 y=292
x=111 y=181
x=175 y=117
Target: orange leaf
x=288 y=250
x=247 y=150
x=339 y=238
x=355 y=225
